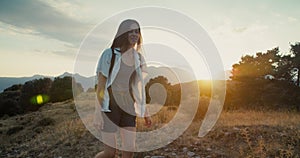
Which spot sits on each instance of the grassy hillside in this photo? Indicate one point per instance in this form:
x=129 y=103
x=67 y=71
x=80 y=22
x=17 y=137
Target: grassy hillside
x=57 y=131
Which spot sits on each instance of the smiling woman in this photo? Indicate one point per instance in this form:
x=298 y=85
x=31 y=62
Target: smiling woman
x=120 y=87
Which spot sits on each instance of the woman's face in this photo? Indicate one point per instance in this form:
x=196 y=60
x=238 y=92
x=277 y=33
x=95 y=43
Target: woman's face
x=133 y=34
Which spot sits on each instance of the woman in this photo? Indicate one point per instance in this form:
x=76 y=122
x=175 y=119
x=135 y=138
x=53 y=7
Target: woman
x=119 y=87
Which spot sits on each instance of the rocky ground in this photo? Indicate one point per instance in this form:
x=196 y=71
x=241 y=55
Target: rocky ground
x=56 y=131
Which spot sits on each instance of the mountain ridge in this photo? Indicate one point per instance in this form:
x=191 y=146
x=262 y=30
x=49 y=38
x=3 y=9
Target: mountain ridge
x=174 y=76
x=6 y=82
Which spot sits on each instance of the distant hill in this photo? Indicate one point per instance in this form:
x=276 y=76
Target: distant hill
x=6 y=82
x=89 y=82
x=174 y=76
x=86 y=82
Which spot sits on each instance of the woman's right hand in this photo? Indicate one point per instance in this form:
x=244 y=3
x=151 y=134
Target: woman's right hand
x=148 y=121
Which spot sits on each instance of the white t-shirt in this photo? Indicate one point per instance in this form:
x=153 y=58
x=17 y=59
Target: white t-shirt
x=138 y=88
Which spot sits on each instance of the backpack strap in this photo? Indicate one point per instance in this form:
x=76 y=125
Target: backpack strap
x=112 y=62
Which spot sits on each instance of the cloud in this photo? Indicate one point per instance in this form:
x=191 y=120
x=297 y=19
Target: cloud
x=13 y=30
x=71 y=8
x=292 y=19
x=240 y=29
x=66 y=53
x=42 y=19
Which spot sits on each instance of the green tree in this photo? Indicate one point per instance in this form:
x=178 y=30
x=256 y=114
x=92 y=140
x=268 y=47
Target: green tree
x=289 y=65
x=164 y=82
x=61 y=89
x=253 y=67
x=9 y=101
x=295 y=49
x=34 y=90
x=247 y=90
x=283 y=68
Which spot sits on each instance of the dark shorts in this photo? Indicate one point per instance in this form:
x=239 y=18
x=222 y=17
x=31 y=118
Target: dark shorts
x=118 y=117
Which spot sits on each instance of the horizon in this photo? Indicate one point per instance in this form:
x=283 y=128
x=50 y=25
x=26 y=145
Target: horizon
x=84 y=76
x=45 y=44
x=87 y=81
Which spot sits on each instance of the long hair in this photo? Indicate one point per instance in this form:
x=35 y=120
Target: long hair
x=121 y=38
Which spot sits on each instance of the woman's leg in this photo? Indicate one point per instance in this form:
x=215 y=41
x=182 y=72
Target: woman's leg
x=128 y=137
x=109 y=142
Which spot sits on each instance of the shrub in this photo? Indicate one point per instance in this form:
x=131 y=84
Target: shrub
x=37 y=89
x=9 y=101
x=61 y=89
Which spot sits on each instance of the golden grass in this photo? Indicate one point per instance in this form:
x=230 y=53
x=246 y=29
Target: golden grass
x=236 y=133
x=255 y=133
x=244 y=125
x=160 y=115
x=249 y=118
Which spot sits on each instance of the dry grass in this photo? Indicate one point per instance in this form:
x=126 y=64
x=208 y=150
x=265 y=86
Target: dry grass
x=236 y=134
x=250 y=118
x=160 y=116
x=244 y=133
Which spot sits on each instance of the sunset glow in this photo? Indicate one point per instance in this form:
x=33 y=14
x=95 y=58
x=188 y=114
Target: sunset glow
x=44 y=37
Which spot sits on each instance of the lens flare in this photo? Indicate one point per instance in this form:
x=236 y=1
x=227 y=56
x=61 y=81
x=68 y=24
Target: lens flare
x=39 y=99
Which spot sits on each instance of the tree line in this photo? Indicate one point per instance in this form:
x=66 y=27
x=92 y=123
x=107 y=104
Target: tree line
x=272 y=65
x=264 y=81
x=32 y=95
x=267 y=80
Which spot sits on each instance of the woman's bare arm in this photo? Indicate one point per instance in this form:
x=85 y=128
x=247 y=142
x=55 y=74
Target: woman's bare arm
x=100 y=87
x=98 y=120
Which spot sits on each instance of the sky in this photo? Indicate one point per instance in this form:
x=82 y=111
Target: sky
x=45 y=37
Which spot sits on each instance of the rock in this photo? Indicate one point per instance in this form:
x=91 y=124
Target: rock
x=184 y=149
x=157 y=157
x=173 y=154
x=226 y=133
x=190 y=154
x=208 y=149
x=236 y=129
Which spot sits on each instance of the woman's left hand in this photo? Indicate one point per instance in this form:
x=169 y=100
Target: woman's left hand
x=148 y=121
